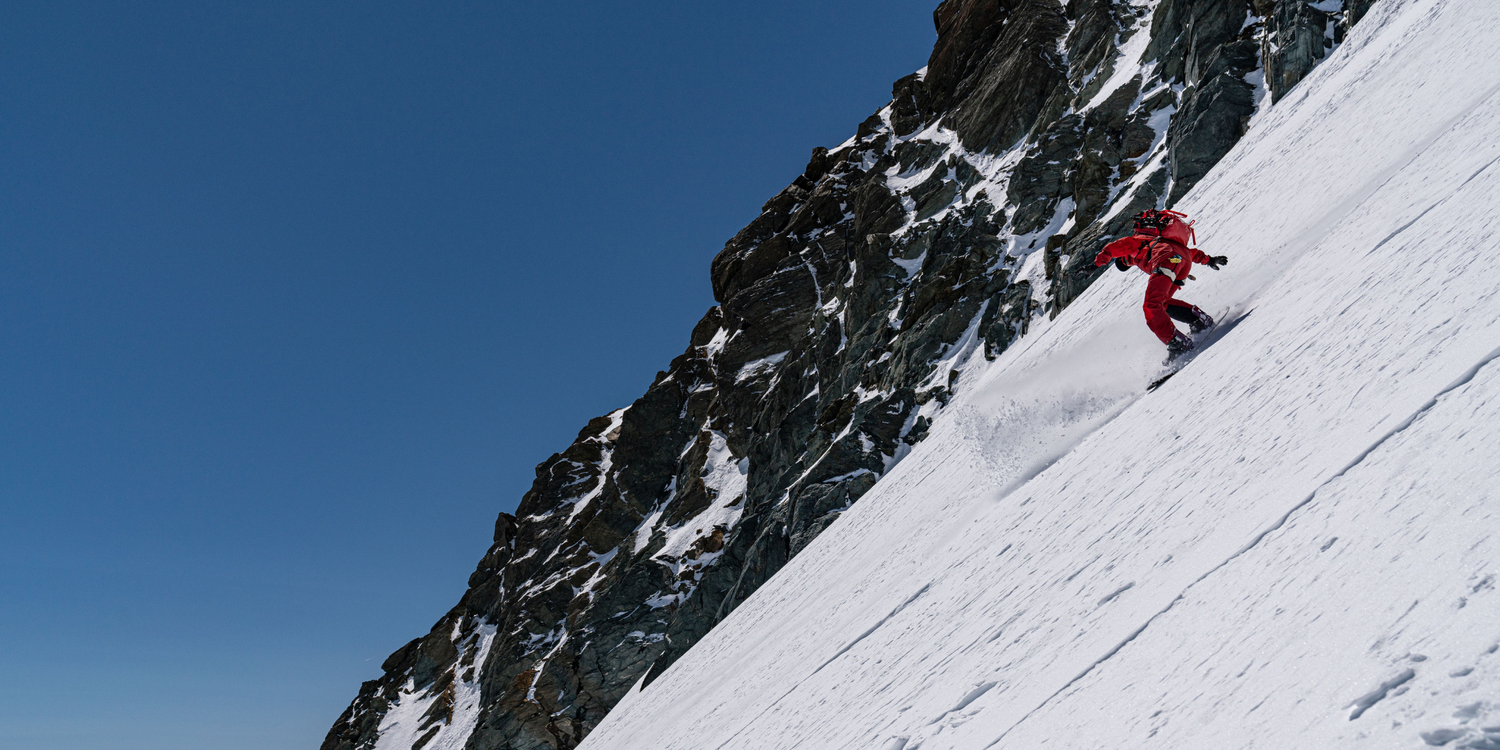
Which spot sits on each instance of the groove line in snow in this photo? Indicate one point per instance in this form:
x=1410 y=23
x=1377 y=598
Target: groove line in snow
x=871 y=630
x=1374 y=186
x=1462 y=380
x=1432 y=207
x=868 y=632
x=1314 y=234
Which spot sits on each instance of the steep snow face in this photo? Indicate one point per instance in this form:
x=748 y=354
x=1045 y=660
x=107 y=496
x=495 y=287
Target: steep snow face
x=1293 y=543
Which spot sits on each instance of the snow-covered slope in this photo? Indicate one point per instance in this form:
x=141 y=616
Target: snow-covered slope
x=1292 y=544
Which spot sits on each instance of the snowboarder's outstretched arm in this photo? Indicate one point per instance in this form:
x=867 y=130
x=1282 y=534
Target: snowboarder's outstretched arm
x=1212 y=261
x=1132 y=250
x=1121 y=248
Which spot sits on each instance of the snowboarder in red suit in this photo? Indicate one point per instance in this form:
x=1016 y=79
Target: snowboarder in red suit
x=1160 y=248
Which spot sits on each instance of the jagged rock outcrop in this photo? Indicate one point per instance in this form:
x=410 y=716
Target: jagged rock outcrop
x=959 y=213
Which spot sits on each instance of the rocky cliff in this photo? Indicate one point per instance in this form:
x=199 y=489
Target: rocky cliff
x=961 y=211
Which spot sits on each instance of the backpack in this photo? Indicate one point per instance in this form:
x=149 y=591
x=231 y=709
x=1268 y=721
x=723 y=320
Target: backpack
x=1165 y=224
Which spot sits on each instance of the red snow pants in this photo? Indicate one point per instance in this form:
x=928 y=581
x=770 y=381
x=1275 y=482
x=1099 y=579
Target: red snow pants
x=1159 y=291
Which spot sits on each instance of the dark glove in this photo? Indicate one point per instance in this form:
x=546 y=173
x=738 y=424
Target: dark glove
x=1218 y=260
x=1121 y=264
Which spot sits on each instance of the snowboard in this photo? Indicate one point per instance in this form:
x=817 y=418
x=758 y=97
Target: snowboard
x=1176 y=368
x=1202 y=340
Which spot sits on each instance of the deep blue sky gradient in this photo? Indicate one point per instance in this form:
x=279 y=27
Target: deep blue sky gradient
x=294 y=296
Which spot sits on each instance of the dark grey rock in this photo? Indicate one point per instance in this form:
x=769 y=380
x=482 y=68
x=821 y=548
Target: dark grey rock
x=1295 y=40
x=909 y=105
x=1185 y=33
x=1353 y=11
x=1040 y=179
x=1006 y=95
x=1213 y=116
x=916 y=155
x=1091 y=43
x=934 y=194
x=820 y=164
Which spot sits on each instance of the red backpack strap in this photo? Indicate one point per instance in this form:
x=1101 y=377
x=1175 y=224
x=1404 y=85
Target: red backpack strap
x=1147 y=246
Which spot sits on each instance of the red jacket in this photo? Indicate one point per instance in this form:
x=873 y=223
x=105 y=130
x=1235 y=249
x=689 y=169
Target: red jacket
x=1152 y=253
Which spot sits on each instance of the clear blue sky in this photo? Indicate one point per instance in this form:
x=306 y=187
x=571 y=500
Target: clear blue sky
x=294 y=296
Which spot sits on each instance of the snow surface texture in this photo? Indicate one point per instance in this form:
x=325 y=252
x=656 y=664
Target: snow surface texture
x=1291 y=544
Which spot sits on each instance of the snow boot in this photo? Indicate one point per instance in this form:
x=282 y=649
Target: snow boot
x=1202 y=323
x=1197 y=320
x=1178 y=346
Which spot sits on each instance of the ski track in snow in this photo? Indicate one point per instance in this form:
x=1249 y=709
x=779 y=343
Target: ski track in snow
x=1291 y=544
